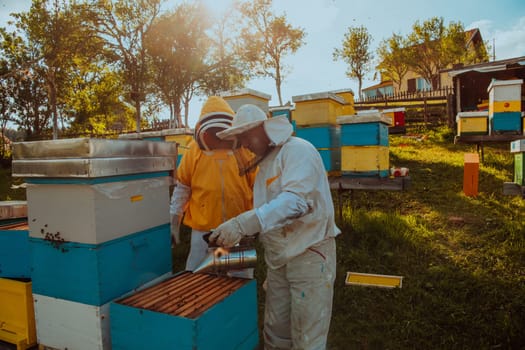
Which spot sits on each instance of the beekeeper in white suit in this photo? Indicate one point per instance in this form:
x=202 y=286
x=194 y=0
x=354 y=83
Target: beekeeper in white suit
x=294 y=214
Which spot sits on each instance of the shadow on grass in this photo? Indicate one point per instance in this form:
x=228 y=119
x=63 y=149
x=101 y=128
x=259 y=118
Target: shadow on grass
x=440 y=306
x=462 y=258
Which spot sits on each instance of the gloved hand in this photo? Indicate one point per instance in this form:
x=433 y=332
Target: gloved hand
x=230 y=232
x=175 y=230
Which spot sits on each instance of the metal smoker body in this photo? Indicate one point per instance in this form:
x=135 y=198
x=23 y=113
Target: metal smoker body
x=221 y=260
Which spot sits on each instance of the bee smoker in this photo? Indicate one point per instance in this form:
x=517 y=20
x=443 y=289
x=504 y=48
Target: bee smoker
x=220 y=260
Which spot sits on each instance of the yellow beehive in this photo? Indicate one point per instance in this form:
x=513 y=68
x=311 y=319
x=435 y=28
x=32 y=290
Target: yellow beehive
x=473 y=123
x=317 y=109
x=240 y=97
x=348 y=96
x=365 y=160
x=504 y=96
x=17 y=317
x=182 y=139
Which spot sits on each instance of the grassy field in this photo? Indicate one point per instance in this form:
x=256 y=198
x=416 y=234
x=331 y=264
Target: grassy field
x=462 y=258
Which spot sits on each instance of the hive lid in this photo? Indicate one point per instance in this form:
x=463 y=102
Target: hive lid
x=91 y=148
x=473 y=114
x=373 y=117
x=319 y=96
x=158 y=133
x=245 y=91
x=90 y=167
x=495 y=83
x=13 y=209
x=397 y=109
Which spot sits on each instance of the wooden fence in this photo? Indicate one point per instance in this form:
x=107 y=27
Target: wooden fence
x=428 y=106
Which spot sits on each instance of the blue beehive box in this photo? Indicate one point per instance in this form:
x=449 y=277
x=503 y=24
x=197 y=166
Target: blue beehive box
x=15 y=258
x=95 y=274
x=331 y=159
x=281 y=110
x=188 y=311
x=320 y=136
x=506 y=122
x=365 y=130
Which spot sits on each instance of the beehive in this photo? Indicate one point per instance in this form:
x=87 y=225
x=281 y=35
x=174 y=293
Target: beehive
x=181 y=136
x=95 y=274
x=237 y=98
x=331 y=160
x=517 y=147
x=65 y=324
x=281 y=110
x=188 y=311
x=505 y=106
x=317 y=109
x=348 y=97
x=15 y=258
x=472 y=123
x=326 y=140
x=364 y=145
x=365 y=161
x=94 y=233
x=17 y=318
x=325 y=136
x=13 y=209
x=183 y=141
x=397 y=116
x=364 y=130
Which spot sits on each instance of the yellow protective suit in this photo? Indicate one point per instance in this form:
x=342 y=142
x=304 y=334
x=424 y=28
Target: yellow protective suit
x=218 y=193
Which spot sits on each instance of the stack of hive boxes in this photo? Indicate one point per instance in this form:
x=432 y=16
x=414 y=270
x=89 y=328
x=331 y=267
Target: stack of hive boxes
x=240 y=97
x=505 y=107
x=98 y=228
x=364 y=145
x=17 y=318
x=517 y=147
x=181 y=136
x=315 y=118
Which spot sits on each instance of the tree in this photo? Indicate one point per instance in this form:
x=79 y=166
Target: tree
x=433 y=46
x=124 y=24
x=392 y=57
x=24 y=85
x=228 y=70
x=266 y=39
x=177 y=44
x=56 y=31
x=356 y=53
x=94 y=104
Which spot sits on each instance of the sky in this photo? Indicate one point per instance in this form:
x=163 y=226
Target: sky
x=312 y=68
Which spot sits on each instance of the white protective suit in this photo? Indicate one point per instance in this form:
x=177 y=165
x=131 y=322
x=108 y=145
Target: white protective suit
x=294 y=206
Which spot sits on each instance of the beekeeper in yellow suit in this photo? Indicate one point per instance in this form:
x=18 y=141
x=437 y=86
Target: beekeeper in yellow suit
x=209 y=189
x=294 y=216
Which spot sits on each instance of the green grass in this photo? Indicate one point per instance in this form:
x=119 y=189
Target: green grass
x=462 y=258
x=7 y=193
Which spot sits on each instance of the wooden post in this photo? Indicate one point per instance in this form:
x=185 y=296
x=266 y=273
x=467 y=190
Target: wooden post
x=471 y=174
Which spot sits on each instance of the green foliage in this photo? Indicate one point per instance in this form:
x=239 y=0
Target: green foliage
x=266 y=38
x=8 y=192
x=356 y=53
x=392 y=59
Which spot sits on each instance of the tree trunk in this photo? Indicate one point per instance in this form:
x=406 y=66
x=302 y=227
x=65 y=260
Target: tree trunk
x=137 y=113
x=53 y=102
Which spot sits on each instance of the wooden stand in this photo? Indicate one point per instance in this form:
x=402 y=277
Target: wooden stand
x=342 y=183
x=479 y=140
